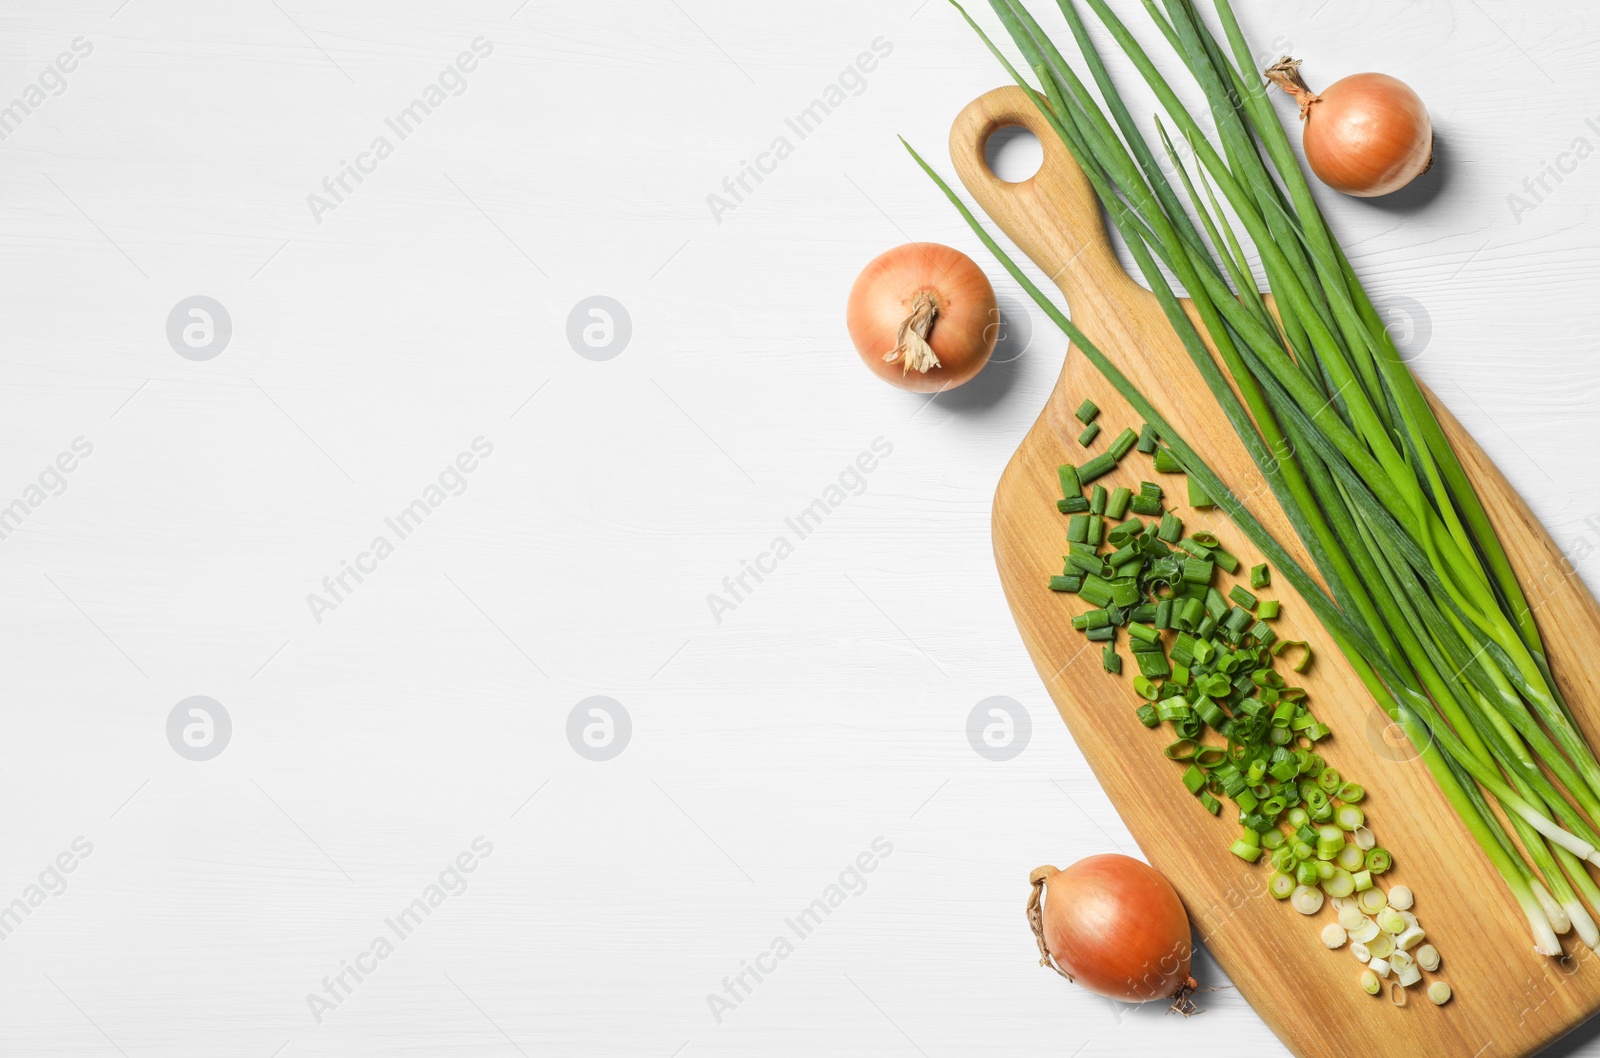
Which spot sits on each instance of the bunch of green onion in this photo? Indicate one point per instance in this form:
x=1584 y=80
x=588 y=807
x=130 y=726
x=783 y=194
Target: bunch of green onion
x=1420 y=597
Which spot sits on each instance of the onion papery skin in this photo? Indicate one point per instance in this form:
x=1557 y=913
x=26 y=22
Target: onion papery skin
x=1368 y=135
x=1115 y=926
x=965 y=326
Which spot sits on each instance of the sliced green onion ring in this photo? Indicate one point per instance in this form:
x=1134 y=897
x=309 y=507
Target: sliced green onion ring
x=1306 y=900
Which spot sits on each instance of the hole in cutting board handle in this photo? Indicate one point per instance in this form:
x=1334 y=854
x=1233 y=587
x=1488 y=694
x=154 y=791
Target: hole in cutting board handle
x=1013 y=153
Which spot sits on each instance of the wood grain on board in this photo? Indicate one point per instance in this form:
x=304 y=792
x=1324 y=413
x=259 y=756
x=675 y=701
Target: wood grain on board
x=1509 y=1000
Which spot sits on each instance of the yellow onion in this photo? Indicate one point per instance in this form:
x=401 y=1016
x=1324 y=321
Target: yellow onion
x=1366 y=135
x=923 y=317
x=1115 y=926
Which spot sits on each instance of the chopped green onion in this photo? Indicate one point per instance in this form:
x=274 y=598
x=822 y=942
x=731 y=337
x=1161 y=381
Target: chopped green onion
x=1409 y=937
x=1087 y=411
x=1341 y=884
x=1268 y=609
x=1095 y=591
x=1098 y=467
x=1306 y=900
x=1123 y=444
x=1117 y=505
x=1068 y=476
x=1183 y=749
x=1090 y=432
x=1146 y=504
x=1305 y=658
x=1260 y=576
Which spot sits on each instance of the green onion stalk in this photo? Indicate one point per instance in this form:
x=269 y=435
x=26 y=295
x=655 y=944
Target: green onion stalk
x=1420 y=594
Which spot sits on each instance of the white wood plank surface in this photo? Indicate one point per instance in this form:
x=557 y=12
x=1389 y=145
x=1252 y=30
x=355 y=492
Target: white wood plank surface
x=778 y=744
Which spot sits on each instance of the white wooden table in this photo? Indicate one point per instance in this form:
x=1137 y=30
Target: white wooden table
x=372 y=738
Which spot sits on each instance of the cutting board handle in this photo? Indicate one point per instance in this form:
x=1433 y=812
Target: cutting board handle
x=1076 y=255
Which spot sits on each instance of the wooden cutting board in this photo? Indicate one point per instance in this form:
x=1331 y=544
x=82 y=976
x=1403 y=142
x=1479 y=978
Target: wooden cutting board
x=1509 y=1000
